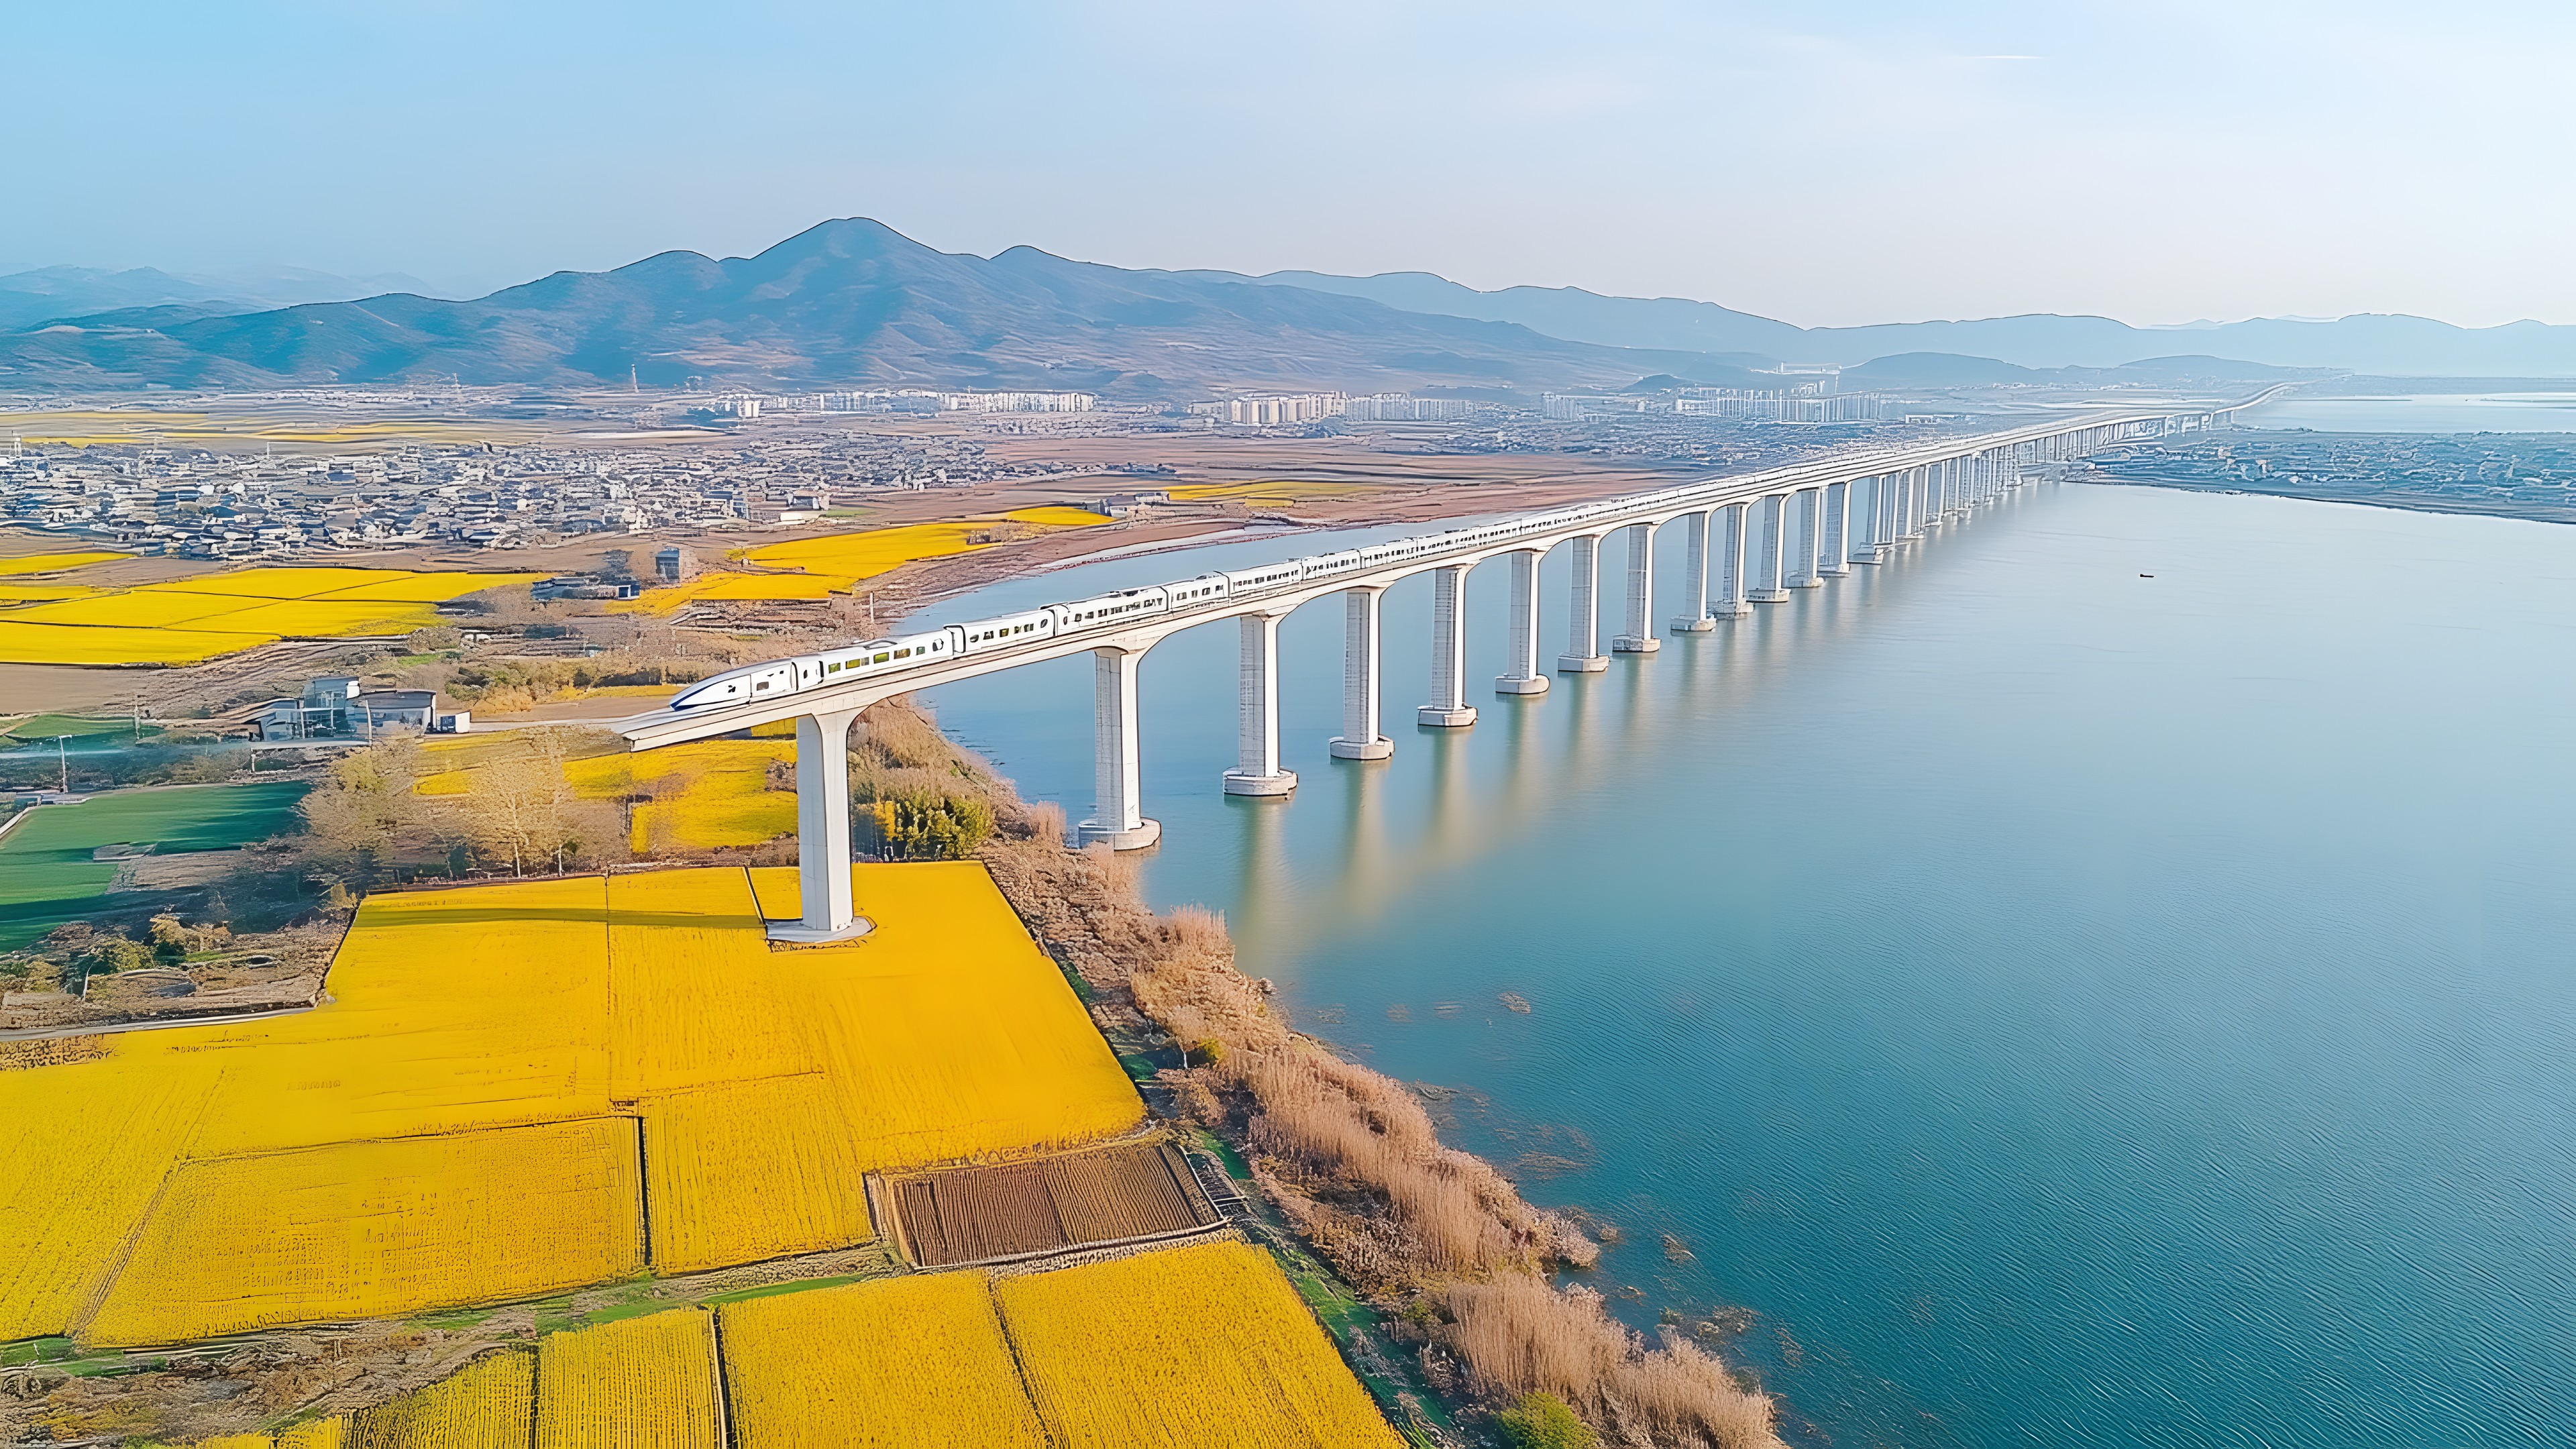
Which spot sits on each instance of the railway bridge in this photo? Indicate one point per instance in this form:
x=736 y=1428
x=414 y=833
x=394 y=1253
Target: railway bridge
x=1748 y=539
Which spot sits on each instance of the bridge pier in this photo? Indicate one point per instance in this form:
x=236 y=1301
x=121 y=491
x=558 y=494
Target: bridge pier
x=1695 y=575
x=1807 y=541
x=1836 y=554
x=1448 y=708
x=1524 y=678
x=1733 y=537
x=1583 y=645
x=1359 y=739
x=823 y=833
x=1639 y=636
x=1913 y=504
x=1770 y=544
x=1117 y=792
x=1256 y=770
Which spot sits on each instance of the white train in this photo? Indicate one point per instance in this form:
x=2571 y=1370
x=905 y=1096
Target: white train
x=1108 y=611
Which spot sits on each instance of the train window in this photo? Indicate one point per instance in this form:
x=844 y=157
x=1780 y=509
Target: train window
x=903 y=654
x=880 y=659
x=831 y=669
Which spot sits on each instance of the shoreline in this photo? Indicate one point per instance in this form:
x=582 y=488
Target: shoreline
x=1457 y=1271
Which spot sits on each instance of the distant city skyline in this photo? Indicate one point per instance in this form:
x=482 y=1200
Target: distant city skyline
x=2193 y=161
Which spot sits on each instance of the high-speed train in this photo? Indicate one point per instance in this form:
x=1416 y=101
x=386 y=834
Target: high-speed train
x=784 y=677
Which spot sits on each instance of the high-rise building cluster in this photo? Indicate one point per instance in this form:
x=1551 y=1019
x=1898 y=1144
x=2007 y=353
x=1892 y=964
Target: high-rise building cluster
x=1397 y=407
x=1804 y=405
x=1269 y=410
x=924 y=400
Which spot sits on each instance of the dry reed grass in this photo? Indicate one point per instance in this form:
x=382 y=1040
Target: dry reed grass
x=1515 y=1334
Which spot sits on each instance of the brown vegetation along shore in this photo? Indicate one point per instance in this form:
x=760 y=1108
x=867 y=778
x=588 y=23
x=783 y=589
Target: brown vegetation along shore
x=1434 y=1236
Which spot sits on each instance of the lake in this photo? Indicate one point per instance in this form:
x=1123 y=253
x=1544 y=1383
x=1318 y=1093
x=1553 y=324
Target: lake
x=2099 y=979
x=2494 y=412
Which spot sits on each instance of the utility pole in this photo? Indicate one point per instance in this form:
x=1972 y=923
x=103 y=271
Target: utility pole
x=63 y=761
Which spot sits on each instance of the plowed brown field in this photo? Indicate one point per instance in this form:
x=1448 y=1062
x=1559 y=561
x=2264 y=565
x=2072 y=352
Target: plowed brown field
x=979 y=1214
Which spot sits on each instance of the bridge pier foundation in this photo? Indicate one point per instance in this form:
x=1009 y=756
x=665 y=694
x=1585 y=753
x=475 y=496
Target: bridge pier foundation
x=1771 y=540
x=1583 y=646
x=1524 y=678
x=1695 y=528
x=1117 y=812
x=1639 y=635
x=1256 y=770
x=1448 y=708
x=1359 y=739
x=823 y=833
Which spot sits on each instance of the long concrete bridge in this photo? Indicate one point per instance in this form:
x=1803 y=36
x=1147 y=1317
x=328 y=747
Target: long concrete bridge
x=1749 y=539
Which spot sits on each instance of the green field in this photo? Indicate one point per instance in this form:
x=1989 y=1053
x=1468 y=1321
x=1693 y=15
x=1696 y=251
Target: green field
x=47 y=877
x=42 y=728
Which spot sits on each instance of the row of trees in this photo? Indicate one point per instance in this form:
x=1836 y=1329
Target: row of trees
x=368 y=822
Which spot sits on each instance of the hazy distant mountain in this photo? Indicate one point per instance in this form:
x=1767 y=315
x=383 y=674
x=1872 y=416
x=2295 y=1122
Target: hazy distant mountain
x=2396 y=345
x=844 y=303
x=46 y=293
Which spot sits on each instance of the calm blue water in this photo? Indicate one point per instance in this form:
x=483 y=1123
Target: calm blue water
x=2066 y=1007
x=2494 y=412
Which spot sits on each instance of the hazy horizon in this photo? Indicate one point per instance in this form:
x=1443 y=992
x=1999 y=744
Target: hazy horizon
x=2162 y=167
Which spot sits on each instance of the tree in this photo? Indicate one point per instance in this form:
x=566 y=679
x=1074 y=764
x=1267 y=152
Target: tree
x=522 y=808
x=921 y=825
x=365 y=811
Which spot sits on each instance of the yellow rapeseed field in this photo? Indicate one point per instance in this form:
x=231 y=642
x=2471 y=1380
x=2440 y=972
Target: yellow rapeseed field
x=14 y=594
x=1204 y=1347
x=22 y=643
x=639 y=1383
x=901 y=1363
x=88 y=1145
x=327 y=618
x=486 y=1406
x=461 y=1121
x=46 y=563
x=227 y=612
x=950 y=1033
x=695 y=995
x=838 y=562
x=379 y=1229
x=450 y=1010
x=133 y=609
x=751 y=1170
x=707 y=793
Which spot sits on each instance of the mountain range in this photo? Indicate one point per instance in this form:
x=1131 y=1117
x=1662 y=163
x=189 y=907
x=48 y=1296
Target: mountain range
x=2389 y=344
x=853 y=304
x=46 y=293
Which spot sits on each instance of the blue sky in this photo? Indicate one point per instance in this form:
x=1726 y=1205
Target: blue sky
x=2159 y=162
